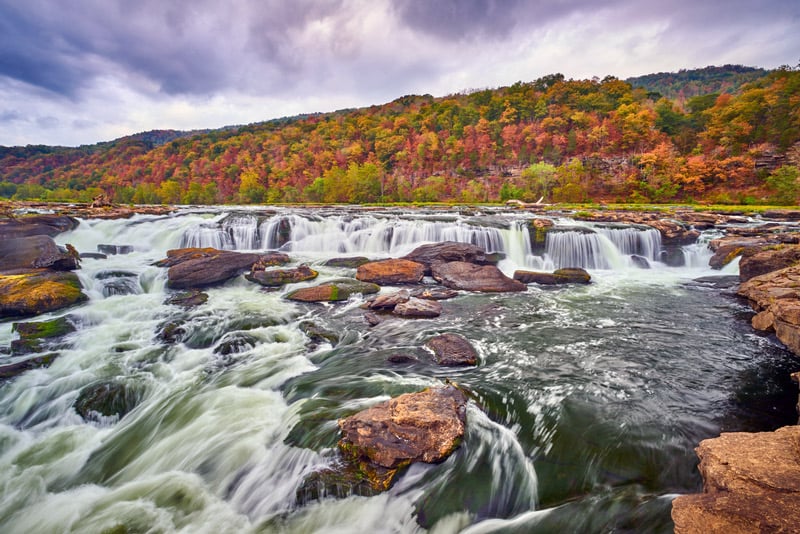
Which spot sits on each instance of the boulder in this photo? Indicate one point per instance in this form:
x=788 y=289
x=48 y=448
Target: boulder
x=391 y=272
x=640 y=261
x=389 y=301
x=35 y=252
x=318 y=334
x=751 y=484
x=537 y=230
x=448 y=251
x=349 y=263
x=559 y=276
x=761 y=260
x=472 y=277
x=48 y=225
x=415 y=307
x=38 y=291
x=725 y=254
x=334 y=290
x=279 y=277
x=452 y=350
x=414 y=427
x=119 y=283
x=776 y=296
x=434 y=293
x=673 y=232
x=93 y=256
x=199 y=267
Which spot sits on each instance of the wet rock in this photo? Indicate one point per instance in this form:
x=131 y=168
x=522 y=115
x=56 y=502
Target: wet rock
x=38 y=291
x=761 y=260
x=391 y=272
x=724 y=255
x=107 y=399
x=415 y=307
x=119 y=283
x=472 y=277
x=93 y=256
x=559 y=276
x=113 y=250
x=640 y=261
x=48 y=225
x=279 y=277
x=447 y=251
x=776 y=298
x=673 y=232
x=401 y=358
x=318 y=334
x=389 y=301
x=751 y=484
x=200 y=267
x=538 y=229
x=415 y=427
x=782 y=215
x=334 y=290
x=340 y=481
x=372 y=318
x=11 y=370
x=349 y=263
x=716 y=282
x=234 y=343
x=36 y=336
x=172 y=332
x=35 y=252
x=188 y=299
x=452 y=350
x=434 y=293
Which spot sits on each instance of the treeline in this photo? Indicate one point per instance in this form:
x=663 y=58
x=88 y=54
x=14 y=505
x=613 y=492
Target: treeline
x=556 y=139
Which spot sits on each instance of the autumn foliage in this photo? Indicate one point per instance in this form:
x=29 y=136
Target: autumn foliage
x=555 y=139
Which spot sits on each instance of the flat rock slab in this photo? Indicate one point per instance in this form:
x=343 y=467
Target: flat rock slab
x=332 y=291
x=415 y=427
x=452 y=350
x=752 y=484
x=35 y=252
x=448 y=251
x=348 y=263
x=389 y=301
x=200 y=267
x=49 y=225
x=762 y=260
x=472 y=277
x=559 y=276
x=38 y=291
x=391 y=272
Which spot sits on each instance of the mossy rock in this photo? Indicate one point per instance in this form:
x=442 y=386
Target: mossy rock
x=188 y=299
x=347 y=263
x=58 y=327
x=335 y=290
x=112 y=398
x=344 y=480
x=38 y=291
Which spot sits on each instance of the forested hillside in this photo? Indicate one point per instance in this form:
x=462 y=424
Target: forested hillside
x=563 y=140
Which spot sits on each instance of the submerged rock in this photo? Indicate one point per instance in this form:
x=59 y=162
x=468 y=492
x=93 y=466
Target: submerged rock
x=751 y=484
x=391 y=272
x=318 y=334
x=114 y=249
x=559 y=276
x=472 y=277
x=107 y=399
x=188 y=299
x=414 y=427
x=452 y=350
x=334 y=290
x=279 y=277
x=349 y=263
x=38 y=291
x=35 y=252
x=11 y=370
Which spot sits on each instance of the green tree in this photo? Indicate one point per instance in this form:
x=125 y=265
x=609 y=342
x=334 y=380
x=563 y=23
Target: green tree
x=539 y=179
x=250 y=189
x=784 y=181
x=170 y=192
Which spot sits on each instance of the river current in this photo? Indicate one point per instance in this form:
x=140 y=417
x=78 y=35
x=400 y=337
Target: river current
x=585 y=407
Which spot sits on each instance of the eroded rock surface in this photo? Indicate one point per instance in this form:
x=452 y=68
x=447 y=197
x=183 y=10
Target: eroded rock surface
x=334 y=290
x=38 y=291
x=559 y=276
x=279 y=277
x=448 y=251
x=200 y=267
x=35 y=252
x=776 y=298
x=415 y=307
x=452 y=350
x=472 y=277
x=752 y=484
x=391 y=272
x=761 y=260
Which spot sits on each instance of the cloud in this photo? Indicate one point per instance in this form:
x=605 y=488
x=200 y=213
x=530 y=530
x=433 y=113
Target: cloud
x=108 y=68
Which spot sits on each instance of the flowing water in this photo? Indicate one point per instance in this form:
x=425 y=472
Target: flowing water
x=586 y=404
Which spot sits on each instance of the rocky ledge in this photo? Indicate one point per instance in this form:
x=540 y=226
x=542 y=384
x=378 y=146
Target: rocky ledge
x=752 y=484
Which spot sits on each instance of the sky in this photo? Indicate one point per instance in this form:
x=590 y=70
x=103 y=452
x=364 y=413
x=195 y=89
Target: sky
x=85 y=71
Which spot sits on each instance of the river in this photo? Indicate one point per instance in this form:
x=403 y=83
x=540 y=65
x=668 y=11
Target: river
x=585 y=407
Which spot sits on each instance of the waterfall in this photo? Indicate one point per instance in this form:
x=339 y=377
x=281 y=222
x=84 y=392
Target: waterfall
x=601 y=247
x=629 y=240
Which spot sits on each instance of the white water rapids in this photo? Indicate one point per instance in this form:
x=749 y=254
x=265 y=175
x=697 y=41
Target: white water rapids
x=587 y=399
